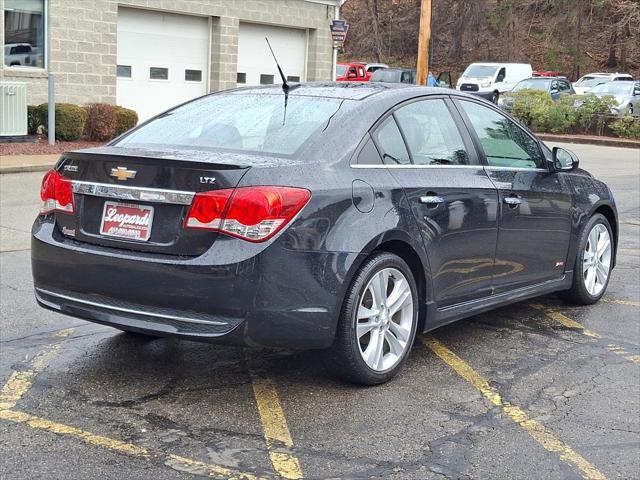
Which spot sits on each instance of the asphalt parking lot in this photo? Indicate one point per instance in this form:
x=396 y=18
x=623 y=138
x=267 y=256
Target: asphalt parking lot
x=539 y=389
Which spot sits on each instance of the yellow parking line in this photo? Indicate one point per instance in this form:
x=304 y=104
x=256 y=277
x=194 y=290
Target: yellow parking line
x=276 y=431
x=118 y=446
x=567 y=322
x=621 y=302
x=20 y=382
x=564 y=320
x=538 y=432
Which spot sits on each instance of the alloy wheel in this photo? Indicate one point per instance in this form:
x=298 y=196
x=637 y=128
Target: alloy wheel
x=596 y=261
x=384 y=319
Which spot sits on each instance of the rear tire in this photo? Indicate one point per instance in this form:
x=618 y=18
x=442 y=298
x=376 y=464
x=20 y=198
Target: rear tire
x=494 y=97
x=377 y=325
x=592 y=265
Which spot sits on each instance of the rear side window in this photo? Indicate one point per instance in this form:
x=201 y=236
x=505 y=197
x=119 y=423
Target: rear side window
x=431 y=133
x=245 y=122
x=389 y=140
x=505 y=144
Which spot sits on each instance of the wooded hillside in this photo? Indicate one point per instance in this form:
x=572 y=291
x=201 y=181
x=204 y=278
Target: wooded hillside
x=572 y=37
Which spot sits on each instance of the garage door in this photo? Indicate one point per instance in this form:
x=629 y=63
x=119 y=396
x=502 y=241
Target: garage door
x=255 y=63
x=162 y=60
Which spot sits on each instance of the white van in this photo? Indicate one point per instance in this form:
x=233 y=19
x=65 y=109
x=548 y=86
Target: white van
x=489 y=80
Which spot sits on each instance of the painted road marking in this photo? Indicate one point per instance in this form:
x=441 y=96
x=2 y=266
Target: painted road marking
x=276 y=431
x=564 y=320
x=538 y=432
x=567 y=322
x=174 y=461
x=20 y=382
x=621 y=302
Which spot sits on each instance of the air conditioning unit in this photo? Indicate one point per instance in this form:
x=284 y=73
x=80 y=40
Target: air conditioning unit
x=13 y=109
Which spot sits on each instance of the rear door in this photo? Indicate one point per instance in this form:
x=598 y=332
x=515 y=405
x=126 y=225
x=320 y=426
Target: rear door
x=452 y=200
x=535 y=204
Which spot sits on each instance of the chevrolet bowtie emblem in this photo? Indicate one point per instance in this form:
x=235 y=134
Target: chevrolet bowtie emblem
x=122 y=174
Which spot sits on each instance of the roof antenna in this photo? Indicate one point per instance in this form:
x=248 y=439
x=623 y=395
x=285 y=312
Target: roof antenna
x=286 y=88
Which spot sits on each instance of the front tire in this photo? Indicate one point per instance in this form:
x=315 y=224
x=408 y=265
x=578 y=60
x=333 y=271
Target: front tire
x=594 y=259
x=378 y=322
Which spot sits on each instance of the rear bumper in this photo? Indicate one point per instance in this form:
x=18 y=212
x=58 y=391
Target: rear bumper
x=252 y=295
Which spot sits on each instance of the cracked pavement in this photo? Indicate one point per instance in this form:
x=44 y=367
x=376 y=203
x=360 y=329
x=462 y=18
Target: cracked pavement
x=196 y=400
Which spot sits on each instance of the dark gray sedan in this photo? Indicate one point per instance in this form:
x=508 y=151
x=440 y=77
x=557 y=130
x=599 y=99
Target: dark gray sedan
x=340 y=217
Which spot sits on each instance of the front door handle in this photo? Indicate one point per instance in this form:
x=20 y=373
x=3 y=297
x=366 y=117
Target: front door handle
x=513 y=202
x=431 y=200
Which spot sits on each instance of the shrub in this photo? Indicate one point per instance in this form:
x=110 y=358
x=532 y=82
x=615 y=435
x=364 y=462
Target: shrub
x=126 y=120
x=561 y=116
x=626 y=127
x=590 y=112
x=101 y=122
x=33 y=119
x=531 y=107
x=69 y=120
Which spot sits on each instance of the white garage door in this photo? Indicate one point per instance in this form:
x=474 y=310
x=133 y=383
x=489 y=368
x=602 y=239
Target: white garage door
x=255 y=63
x=162 y=60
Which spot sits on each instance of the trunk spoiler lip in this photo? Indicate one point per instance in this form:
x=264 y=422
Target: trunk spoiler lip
x=198 y=158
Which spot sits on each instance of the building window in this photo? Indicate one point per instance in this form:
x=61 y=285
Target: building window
x=266 y=79
x=24 y=33
x=158 y=73
x=293 y=78
x=193 y=75
x=241 y=77
x=124 y=71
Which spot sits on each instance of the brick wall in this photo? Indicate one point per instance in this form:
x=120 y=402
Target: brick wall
x=82 y=36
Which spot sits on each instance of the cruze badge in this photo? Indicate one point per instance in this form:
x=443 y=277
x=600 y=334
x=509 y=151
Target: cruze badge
x=122 y=174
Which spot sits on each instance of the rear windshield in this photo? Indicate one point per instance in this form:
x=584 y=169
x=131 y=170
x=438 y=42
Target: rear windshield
x=613 y=88
x=587 y=81
x=389 y=76
x=244 y=122
x=341 y=70
x=533 y=84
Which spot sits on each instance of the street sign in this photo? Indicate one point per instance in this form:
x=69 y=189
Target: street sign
x=339 y=30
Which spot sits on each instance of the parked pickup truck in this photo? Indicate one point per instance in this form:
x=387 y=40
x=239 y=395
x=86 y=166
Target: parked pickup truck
x=352 y=72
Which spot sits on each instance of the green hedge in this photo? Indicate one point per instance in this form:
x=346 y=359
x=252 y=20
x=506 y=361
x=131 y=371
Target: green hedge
x=69 y=120
x=126 y=120
x=33 y=119
x=586 y=114
x=627 y=127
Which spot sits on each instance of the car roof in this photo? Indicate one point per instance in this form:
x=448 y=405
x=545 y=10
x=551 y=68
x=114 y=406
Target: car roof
x=340 y=90
x=399 y=69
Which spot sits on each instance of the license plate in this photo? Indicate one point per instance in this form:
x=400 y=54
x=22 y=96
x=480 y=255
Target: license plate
x=124 y=220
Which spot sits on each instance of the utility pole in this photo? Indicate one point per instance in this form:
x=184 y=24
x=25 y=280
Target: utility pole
x=424 y=37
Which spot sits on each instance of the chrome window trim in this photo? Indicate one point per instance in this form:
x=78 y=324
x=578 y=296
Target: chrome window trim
x=126 y=310
x=415 y=166
x=519 y=169
x=142 y=194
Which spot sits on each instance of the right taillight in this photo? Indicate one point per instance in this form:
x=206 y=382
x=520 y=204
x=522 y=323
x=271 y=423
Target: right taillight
x=56 y=193
x=254 y=214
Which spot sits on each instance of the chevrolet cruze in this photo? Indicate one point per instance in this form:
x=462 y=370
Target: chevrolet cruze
x=344 y=217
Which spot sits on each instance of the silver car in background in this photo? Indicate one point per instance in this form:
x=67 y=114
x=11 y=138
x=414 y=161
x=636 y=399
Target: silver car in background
x=626 y=94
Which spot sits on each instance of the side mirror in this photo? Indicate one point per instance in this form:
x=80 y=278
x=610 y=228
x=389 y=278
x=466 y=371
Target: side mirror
x=564 y=160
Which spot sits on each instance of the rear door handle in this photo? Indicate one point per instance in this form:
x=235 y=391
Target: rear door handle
x=512 y=201
x=431 y=199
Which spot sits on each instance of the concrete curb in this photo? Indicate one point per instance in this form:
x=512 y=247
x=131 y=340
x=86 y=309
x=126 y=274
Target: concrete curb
x=24 y=168
x=603 y=141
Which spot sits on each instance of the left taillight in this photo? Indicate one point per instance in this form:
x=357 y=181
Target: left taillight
x=56 y=194
x=253 y=213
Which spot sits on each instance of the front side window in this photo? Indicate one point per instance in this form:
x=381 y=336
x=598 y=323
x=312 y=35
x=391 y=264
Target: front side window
x=24 y=35
x=505 y=144
x=244 y=122
x=431 y=133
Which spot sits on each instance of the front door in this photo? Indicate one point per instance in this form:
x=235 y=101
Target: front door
x=450 y=195
x=535 y=204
